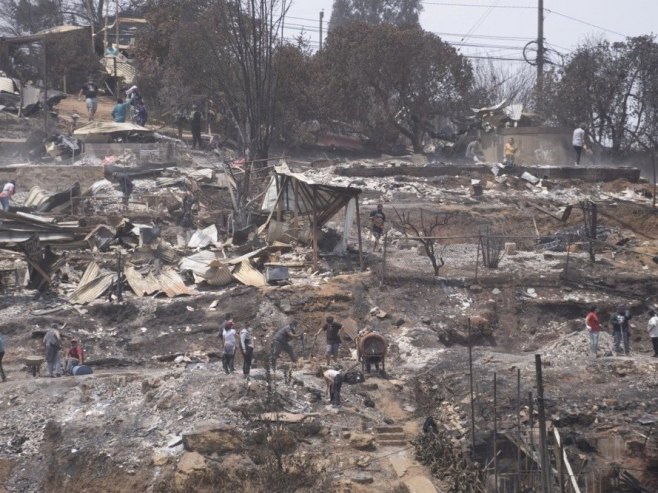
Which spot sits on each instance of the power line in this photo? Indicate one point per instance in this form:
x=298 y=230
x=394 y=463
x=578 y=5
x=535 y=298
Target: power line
x=480 y=21
x=575 y=19
x=478 y=5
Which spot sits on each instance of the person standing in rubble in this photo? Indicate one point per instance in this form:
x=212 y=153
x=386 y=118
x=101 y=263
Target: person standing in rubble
x=578 y=141
x=195 y=126
x=281 y=343
x=509 y=152
x=7 y=194
x=180 y=119
x=652 y=326
x=2 y=355
x=620 y=329
x=126 y=185
x=90 y=92
x=247 y=350
x=228 y=336
x=377 y=223
x=594 y=327
x=75 y=356
x=120 y=110
x=334 y=380
x=332 y=330
x=474 y=151
x=141 y=115
x=52 y=343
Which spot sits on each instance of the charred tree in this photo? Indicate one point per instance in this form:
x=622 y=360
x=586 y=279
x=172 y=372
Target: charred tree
x=425 y=233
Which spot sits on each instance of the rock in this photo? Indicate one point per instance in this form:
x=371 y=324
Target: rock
x=368 y=402
x=426 y=320
x=399 y=322
x=160 y=458
x=361 y=441
x=212 y=437
x=190 y=463
x=378 y=312
x=475 y=288
x=362 y=479
x=167 y=400
x=495 y=291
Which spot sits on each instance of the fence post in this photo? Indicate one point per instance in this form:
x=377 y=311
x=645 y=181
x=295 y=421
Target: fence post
x=543 y=439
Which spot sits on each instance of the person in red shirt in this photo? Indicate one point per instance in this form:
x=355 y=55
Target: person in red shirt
x=75 y=356
x=594 y=327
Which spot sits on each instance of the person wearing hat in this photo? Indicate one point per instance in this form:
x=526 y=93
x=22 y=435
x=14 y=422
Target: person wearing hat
x=75 y=356
x=652 y=326
x=620 y=328
x=281 y=343
x=195 y=126
x=7 y=193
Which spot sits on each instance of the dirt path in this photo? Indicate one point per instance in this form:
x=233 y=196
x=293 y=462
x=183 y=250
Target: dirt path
x=414 y=475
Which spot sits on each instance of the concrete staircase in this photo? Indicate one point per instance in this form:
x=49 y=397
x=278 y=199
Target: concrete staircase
x=391 y=436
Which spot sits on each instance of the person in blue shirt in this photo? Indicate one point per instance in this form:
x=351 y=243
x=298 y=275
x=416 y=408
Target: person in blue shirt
x=120 y=111
x=142 y=115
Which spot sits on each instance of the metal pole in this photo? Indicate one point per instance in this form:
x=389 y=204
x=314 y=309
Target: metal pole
x=543 y=440
x=321 y=26
x=518 y=424
x=315 y=229
x=531 y=415
x=470 y=377
x=477 y=258
x=540 y=52
x=495 y=431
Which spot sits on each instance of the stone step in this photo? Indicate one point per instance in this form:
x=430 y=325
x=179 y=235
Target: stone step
x=389 y=429
x=391 y=436
x=393 y=443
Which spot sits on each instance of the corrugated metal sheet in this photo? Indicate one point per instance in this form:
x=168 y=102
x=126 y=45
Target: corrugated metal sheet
x=91 y=273
x=108 y=128
x=172 y=284
x=246 y=274
x=95 y=288
x=203 y=237
x=200 y=265
x=141 y=286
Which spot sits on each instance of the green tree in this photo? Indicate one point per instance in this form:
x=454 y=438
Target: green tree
x=391 y=80
x=398 y=12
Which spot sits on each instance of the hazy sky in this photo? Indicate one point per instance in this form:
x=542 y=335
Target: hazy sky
x=493 y=18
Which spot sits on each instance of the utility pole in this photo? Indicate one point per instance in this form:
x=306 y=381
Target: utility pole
x=321 y=26
x=540 y=53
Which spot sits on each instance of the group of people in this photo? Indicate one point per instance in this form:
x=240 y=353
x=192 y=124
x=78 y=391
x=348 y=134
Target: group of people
x=281 y=343
x=74 y=357
x=620 y=322
x=134 y=103
x=122 y=110
x=475 y=152
x=194 y=117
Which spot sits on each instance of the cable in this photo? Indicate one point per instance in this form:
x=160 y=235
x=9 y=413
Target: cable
x=495 y=6
x=575 y=19
x=480 y=21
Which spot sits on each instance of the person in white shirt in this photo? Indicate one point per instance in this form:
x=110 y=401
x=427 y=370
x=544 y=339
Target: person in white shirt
x=578 y=141
x=228 y=355
x=334 y=380
x=7 y=193
x=652 y=326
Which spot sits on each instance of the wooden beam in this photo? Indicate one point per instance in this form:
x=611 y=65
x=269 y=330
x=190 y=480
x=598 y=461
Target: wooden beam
x=572 y=477
x=315 y=229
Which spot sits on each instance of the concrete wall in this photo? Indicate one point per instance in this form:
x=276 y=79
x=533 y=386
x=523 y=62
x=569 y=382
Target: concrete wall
x=536 y=145
x=53 y=178
x=585 y=173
